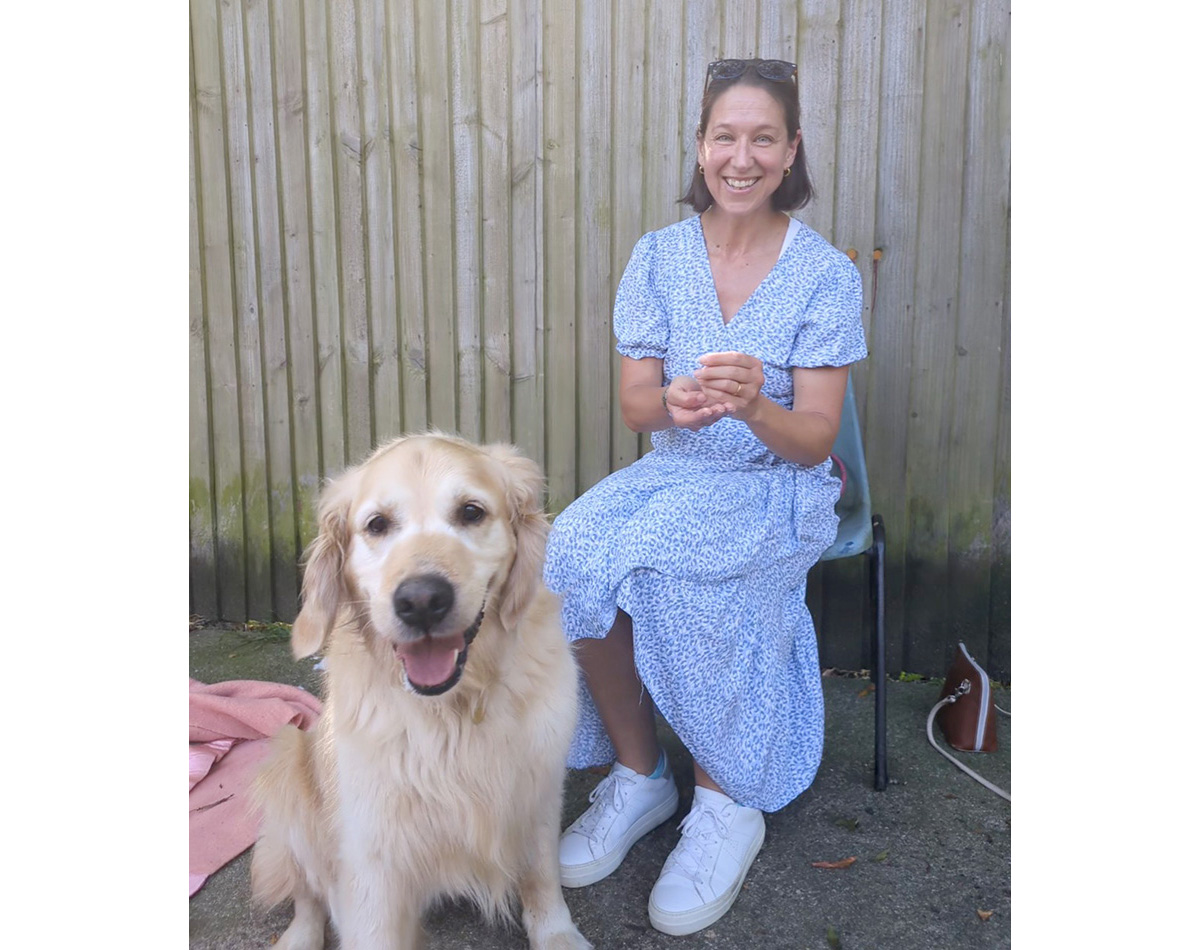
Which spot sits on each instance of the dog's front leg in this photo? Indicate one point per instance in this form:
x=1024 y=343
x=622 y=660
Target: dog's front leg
x=374 y=913
x=544 y=911
x=375 y=908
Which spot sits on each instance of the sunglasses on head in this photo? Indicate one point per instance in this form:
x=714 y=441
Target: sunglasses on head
x=725 y=70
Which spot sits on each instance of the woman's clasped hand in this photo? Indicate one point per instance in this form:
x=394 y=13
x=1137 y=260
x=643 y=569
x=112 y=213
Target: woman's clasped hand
x=725 y=384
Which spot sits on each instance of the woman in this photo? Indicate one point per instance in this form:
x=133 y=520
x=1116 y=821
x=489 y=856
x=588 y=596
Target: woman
x=683 y=575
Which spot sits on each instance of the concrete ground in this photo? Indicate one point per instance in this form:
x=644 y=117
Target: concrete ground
x=932 y=852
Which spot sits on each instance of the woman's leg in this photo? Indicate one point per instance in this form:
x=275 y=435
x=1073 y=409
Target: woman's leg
x=624 y=706
x=627 y=803
x=704 y=780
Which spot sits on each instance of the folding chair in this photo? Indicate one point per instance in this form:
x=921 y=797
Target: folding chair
x=861 y=532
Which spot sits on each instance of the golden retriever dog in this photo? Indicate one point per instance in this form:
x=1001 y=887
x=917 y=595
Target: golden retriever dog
x=436 y=768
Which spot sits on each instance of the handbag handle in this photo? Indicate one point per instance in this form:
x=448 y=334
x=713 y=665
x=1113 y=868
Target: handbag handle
x=963 y=688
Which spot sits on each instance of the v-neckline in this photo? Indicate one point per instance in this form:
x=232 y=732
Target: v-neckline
x=712 y=281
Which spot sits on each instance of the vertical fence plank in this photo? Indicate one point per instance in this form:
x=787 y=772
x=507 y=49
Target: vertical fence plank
x=496 y=219
x=702 y=43
x=661 y=156
x=854 y=183
x=305 y=461
x=739 y=30
x=217 y=254
x=999 y=655
x=974 y=410
x=937 y=286
x=350 y=149
x=466 y=192
x=594 y=354
x=326 y=273
x=406 y=204
x=628 y=104
x=817 y=65
x=383 y=361
x=529 y=201
x=665 y=82
x=559 y=80
x=777 y=30
x=437 y=169
x=202 y=554
x=247 y=313
x=528 y=231
x=216 y=251
x=277 y=398
x=890 y=287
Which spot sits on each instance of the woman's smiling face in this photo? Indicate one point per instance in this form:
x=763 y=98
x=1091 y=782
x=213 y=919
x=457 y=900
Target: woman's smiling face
x=745 y=149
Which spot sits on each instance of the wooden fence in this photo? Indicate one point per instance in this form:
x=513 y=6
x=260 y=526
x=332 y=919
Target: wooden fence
x=408 y=214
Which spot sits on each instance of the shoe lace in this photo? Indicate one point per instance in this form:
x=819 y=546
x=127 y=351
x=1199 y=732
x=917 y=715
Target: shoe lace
x=608 y=798
x=702 y=830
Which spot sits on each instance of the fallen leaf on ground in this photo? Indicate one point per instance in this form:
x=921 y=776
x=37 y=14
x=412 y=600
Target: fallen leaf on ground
x=835 y=865
x=984 y=914
x=867 y=692
x=850 y=824
x=832 y=938
x=881 y=856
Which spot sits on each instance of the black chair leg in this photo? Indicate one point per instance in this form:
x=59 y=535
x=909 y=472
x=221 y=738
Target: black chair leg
x=879 y=665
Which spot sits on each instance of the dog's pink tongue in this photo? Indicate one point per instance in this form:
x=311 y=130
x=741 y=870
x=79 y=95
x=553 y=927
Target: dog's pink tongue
x=429 y=662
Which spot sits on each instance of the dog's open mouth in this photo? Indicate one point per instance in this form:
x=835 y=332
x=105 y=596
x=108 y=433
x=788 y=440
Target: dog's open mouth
x=433 y=665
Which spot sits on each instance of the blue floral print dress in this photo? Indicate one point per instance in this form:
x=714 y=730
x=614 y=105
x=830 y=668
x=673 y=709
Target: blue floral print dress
x=706 y=542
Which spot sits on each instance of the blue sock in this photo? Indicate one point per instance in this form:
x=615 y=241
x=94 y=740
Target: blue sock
x=661 y=769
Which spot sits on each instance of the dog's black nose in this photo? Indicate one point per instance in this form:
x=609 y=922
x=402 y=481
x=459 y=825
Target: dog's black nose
x=422 y=601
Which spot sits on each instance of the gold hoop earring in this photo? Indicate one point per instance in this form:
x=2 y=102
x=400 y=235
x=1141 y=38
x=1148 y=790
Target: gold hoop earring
x=787 y=171
x=701 y=167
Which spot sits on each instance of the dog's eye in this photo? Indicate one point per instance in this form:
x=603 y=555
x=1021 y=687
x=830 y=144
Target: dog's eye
x=377 y=525
x=471 y=513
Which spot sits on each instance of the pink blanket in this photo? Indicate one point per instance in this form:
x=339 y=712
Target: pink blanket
x=230 y=724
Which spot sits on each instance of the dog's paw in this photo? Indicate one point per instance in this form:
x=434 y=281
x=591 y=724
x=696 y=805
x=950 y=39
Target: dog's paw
x=563 y=940
x=302 y=935
x=299 y=941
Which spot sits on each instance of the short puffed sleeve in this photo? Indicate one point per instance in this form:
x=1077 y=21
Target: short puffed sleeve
x=639 y=318
x=831 y=329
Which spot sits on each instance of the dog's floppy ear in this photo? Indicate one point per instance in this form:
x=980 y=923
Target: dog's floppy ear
x=323 y=588
x=523 y=490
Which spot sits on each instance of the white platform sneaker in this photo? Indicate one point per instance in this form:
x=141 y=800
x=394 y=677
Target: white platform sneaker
x=625 y=806
x=704 y=873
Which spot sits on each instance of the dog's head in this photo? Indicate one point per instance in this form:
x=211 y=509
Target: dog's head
x=419 y=543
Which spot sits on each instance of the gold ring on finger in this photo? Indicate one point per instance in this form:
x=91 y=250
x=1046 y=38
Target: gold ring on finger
x=738 y=391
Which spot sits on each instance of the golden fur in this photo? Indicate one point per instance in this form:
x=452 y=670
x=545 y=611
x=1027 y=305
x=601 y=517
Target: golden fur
x=396 y=799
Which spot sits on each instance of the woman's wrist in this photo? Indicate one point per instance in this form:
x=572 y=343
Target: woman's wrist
x=753 y=413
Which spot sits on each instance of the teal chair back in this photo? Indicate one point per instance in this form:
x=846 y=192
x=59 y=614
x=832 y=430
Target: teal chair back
x=855 y=535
